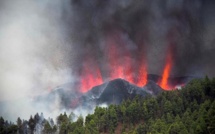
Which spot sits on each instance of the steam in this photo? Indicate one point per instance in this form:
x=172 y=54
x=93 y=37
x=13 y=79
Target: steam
x=45 y=43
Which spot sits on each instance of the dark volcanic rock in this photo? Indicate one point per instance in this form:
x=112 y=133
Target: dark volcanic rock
x=118 y=90
x=172 y=81
x=152 y=88
x=112 y=92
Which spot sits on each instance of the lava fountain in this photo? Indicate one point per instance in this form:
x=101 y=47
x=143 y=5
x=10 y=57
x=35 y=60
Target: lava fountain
x=119 y=63
x=163 y=83
x=166 y=72
x=142 y=78
x=90 y=76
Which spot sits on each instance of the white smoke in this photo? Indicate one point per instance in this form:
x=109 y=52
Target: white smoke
x=31 y=54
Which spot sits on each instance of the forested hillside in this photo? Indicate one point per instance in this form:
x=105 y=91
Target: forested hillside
x=190 y=110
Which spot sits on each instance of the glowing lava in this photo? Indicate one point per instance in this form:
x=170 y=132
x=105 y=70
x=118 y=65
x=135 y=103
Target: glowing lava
x=115 y=68
x=90 y=77
x=120 y=62
x=166 y=72
x=142 y=78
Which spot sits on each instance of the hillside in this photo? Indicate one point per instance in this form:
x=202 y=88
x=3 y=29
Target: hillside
x=185 y=111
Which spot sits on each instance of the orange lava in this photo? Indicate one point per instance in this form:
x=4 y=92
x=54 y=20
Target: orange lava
x=120 y=62
x=142 y=78
x=166 y=72
x=90 y=77
x=115 y=68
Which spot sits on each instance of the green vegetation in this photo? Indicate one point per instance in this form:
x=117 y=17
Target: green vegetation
x=190 y=110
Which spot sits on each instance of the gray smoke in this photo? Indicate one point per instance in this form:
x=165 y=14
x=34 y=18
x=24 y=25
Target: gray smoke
x=149 y=27
x=45 y=43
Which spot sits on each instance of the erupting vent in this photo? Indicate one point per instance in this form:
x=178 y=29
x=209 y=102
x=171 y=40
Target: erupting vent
x=163 y=83
x=119 y=64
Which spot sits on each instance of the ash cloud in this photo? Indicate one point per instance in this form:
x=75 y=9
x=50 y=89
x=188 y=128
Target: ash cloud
x=150 y=27
x=45 y=43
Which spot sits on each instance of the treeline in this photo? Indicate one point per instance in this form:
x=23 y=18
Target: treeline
x=190 y=110
x=37 y=124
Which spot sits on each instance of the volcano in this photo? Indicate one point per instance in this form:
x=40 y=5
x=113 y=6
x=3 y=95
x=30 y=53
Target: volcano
x=117 y=90
x=114 y=92
x=111 y=92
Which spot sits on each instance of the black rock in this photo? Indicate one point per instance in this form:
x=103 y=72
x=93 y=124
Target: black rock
x=114 y=92
x=152 y=88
